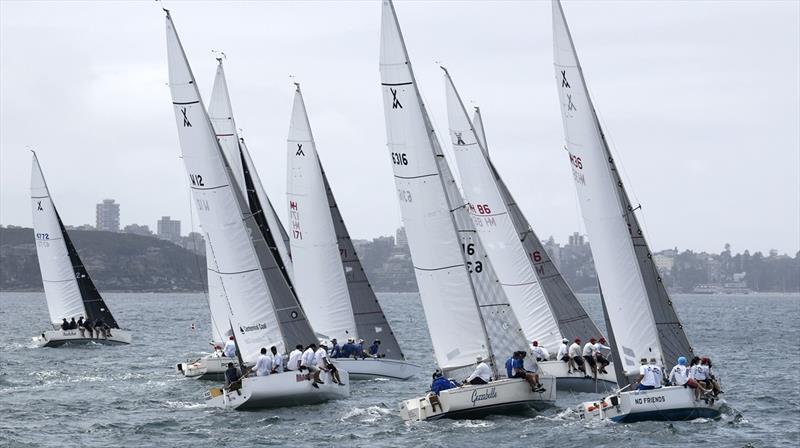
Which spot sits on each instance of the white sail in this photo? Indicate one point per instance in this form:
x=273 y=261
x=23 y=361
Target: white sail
x=621 y=282
x=480 y=131
x=58 y=276
x=274 y=223
x=445 y=289
x=496 y=230
x=319 y=276
x=219 y=208
x=218 y=304
x=221 y=114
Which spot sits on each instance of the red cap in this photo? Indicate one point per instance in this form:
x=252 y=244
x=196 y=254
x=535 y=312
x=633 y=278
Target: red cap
x=592 y=340
x=602 y=339
x=231 y=338
x=535 y=343
x=577 y=339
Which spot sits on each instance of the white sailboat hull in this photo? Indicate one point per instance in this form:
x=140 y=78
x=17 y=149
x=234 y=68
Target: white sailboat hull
x=498 y=397
x=577 y=381
x=57 y=338
x=209 y=367
x=279 y=390
x=672 y=403
x=369 y=368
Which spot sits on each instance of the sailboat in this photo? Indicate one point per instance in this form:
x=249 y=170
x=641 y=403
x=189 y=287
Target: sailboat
x=69 y=290
x=543 y=302
x=639 y=314
x=331 y=283
x=264 y=311
x=467 y=312
x=220 y=112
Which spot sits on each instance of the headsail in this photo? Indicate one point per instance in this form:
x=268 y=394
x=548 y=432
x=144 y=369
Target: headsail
x=639 y=310
x=573 y=320
x=69 y=290
x=468 y=315
x=321 y=284
x=264 y=310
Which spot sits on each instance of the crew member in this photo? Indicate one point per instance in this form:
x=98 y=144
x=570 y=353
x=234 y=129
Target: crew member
x=540 y=353
x=373 y=349
x=482 y=373
x=575 y=356
x=336 y=351
x=441 y=383
x=650 y=375
x=588 y=356
x=295 y=358
x=307 y=362
x=599 y=357
x=230 y=347
x=264 y=363
x=277 y=361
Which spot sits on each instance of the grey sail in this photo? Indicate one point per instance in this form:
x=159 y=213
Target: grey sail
x=370 y=321
x=572 y=319
x=291 y=319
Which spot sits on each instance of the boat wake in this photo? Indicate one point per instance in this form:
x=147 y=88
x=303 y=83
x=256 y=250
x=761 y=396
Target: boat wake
x=183 y=405
x=370 y=414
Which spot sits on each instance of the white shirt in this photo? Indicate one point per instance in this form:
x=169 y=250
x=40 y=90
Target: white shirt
x=698 y=373
x=588 y=349
x=483 y=371
x=294 y=360
x=562 y=351
x=277 y=363
x=652 y=375
x=230 y=349
x=321 y=358
x=575 y=350
x=679 y=375
x=599 y=348
x=540 y=352
x=263 y=365
x=307 y=360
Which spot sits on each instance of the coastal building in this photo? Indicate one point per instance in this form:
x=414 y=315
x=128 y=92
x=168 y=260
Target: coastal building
x=107 y=216
x=137 y=229
x=169 y=229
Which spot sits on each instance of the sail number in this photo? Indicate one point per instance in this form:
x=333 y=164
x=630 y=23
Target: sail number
x=468 y=249
x=481 y=209
x=536 y=256
x=399 y=158
x=576 y=161
x=197 y=180
x=404 y=195
x=42 y=236
x=475 y=267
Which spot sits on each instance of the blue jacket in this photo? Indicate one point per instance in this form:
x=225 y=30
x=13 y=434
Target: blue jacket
x=442 y=383
x=348 y=349
x=510 y=367
x=373 y=349
x=336 y=351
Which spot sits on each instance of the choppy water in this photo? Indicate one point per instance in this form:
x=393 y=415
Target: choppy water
x=129 y=395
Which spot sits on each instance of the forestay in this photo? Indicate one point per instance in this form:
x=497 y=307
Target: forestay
x=644 y=322
x=69 y=290
x=320 y=280
x=467 y=312
x=263 y=308
x=496 y=231
x=572 y=319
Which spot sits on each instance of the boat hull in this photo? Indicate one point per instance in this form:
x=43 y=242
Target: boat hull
x=672 y=403
x=209 y=367
x=58 y=338
x=369 y=368
x=498 y=397
x=576 y=382
x=278 y=390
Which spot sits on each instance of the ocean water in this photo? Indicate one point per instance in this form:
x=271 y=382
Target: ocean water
x=130 y=396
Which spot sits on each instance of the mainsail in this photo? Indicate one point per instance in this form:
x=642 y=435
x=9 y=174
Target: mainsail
x=316 y=222
x=264 y=310
x=569 y=314
x=468 y=315
x=69 y=290
x=321 y=284
x=638 y=308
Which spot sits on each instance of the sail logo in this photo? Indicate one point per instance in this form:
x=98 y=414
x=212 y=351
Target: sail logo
x=39 y=206
x=483 y=394
x=186 y=122
x=459 y=140
x=395 y=102
x=564 y=82
x=300 y=150
x=256 y=327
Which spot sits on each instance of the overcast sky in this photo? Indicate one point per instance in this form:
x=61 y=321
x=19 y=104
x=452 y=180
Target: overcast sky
x=701 y=101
